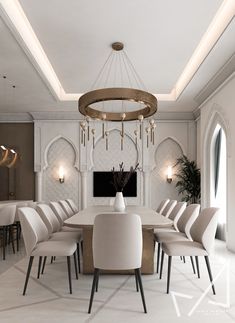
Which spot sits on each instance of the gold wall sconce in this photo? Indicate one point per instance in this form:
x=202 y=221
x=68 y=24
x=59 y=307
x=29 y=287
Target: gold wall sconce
x=61 y=174
x=169 y=174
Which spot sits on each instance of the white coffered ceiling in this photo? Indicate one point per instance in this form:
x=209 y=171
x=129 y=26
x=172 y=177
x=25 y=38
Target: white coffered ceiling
x=160 y=37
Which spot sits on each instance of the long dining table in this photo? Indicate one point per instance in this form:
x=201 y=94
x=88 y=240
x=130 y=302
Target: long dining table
x=149 y=218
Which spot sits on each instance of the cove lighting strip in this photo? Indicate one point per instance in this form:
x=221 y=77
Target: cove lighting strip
x=16 y=19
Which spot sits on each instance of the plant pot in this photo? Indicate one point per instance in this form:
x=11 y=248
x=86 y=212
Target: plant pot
x=119 y=204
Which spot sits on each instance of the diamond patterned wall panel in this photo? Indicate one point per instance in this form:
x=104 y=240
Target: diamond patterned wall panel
x=60 y=153
x=104 y=160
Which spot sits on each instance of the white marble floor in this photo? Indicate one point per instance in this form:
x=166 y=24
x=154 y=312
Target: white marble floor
x=48 y=300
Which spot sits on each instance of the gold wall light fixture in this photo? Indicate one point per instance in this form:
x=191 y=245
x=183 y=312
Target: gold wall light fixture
x=118 y=95
x=61 y=174
x=169 y=174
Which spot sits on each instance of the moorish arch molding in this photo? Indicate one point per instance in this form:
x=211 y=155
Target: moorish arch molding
x=217 y=116
x=176 y=141
x=76 y=162
x=114 y=130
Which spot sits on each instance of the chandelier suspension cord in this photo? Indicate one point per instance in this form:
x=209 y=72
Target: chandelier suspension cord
x=141 y=83
x=101 y=71
x=127 y=72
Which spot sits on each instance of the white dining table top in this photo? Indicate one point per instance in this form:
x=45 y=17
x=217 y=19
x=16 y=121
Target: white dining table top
x=149 y=217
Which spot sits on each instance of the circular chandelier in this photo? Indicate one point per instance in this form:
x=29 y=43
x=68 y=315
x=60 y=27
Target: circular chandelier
x=125 y=100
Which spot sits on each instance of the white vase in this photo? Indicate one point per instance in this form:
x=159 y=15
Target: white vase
x=119 y=204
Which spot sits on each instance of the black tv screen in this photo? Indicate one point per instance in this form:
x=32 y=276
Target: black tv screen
x=102 y=186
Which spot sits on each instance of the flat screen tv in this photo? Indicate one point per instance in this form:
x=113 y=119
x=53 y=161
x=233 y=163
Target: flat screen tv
x=102 y=186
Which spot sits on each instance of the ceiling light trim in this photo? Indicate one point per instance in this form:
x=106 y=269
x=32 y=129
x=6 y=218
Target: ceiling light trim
x=14 y=14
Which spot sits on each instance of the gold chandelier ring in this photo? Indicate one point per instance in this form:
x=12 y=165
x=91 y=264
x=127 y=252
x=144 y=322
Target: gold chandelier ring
x=114 y=94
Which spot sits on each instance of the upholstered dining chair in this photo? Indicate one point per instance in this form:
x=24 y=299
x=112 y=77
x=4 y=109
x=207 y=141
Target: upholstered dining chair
x=117 y=245
x=7 y=219
x=17 y=223
x=184 y=225
x=59 y=212
x=72 y=205
x=68 y=210
x=169 y=207
x=203 y=235
x=54 y=228
x=37 y=243
x=174 y=216
x=162 y=205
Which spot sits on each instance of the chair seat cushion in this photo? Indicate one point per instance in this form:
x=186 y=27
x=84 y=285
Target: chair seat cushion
x=70 y=229
x=184 y=248
x=55 y=248
x=166 y=229
x=66 y=236
x=170 y=237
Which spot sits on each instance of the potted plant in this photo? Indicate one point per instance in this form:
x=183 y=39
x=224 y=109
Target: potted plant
x=120 y=180
x=189 y=180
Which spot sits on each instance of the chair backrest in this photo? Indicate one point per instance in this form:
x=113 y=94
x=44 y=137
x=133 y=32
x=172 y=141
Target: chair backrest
x=187 y=219
x=49 y=218
x=32 y=204
x=7 y=215
x=18 y=205
x=59 y=212
x=204 y=228
x=169 y=207
x=72 y=205
x=33 y=228
x=177 y=211
x=117 y=241
x=162 y=206
x=67 y=209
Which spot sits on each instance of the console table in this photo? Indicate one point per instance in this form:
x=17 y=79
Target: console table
x=150 y=220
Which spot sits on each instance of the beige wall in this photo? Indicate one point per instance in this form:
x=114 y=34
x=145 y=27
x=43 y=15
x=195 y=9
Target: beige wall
x=21 y=137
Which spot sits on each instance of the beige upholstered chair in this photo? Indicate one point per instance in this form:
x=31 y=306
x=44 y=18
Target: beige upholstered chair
x=169 y=207
x=117 y=245
x=174 y=216
x=162 y=206
x=203 y=235
x=59 y=212
x=184 y=225
x=67 y=209
x=37 y=243
x=54 y=229
x=72 y=205
x=7 y=218
x=17 y=223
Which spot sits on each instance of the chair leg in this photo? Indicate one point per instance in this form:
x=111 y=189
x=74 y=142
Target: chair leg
x=184 y=259
x=39 y=266
x=82 y=247
x=158 y=256
x=192 y=262
x=161 y=268
x=43 y=265
x=75 y=264
x=138 y=273
x=197 y=265
x=136 y=282
x=11 y=238
x=78 y=256
x=52 y=258
x=17 y=236
x=28 y=274
x=210 y=274
x=94 y=284
x=69 y=274
x=168 y=274
x=97 y=282
x=4 y=242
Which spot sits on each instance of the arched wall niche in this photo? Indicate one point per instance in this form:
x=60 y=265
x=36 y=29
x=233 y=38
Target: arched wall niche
x=166 y=154
x=60 y=152
x=105 y=160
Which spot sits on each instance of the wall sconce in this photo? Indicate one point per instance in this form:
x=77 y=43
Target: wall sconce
x=61 y=174
x=169 y=174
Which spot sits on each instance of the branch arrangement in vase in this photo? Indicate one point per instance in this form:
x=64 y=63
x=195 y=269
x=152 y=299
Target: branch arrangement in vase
x=121 y=177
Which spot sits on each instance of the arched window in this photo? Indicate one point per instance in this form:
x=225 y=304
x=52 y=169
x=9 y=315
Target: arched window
x=219 y=177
